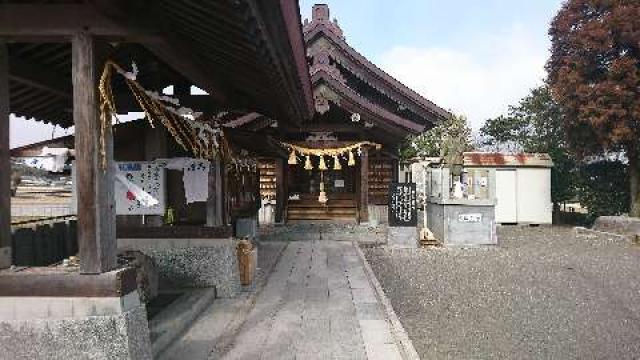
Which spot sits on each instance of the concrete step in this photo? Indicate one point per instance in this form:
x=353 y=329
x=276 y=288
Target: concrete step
x=171 y=322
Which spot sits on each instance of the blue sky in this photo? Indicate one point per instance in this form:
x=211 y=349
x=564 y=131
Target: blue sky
x=473 y=57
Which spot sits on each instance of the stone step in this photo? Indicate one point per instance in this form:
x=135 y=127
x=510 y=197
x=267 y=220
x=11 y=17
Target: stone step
x=167 y=326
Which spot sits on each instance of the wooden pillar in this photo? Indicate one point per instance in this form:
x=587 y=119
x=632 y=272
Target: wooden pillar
x=364 y=185
x=224 y=199
x=395 y=171
x=95 y=184
x=281 y=195
x=155 y=147
x=5 y=164
x=215 y=201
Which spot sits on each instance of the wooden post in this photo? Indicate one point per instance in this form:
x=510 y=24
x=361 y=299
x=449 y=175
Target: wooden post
x=281 y=196
x=224 y=200
x=364 y=185
x=214 y=202
x=155 y=147
x=95 y=183
x=5 y=164
x=395 y=171
x=211 y=199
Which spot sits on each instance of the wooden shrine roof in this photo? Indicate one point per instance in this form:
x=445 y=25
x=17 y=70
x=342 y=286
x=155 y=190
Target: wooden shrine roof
x=249 y=55
x=335 y=62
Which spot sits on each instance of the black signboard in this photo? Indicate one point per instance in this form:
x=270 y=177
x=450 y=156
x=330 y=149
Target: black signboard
x=403 y=206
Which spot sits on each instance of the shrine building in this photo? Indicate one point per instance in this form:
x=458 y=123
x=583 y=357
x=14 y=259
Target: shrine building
x=356 y=104
x=246 y=108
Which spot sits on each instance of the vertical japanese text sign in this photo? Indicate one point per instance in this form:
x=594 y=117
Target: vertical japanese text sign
x=403 y=207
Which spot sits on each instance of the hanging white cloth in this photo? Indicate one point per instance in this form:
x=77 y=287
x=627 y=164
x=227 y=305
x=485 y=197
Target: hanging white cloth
x=195 y=177
x=178 y=164
x=50 y=159
x=196 y=181
x=55 y=159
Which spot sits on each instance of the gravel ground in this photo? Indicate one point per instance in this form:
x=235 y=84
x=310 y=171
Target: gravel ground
x=544 y=293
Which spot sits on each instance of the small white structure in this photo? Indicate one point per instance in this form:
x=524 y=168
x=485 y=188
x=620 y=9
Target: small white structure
x=523 y=185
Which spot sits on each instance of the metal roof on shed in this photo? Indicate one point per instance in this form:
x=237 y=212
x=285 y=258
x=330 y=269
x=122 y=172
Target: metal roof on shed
x=492 y=159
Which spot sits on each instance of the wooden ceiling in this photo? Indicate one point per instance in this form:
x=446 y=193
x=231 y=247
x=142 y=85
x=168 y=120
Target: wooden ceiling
x=248 y=55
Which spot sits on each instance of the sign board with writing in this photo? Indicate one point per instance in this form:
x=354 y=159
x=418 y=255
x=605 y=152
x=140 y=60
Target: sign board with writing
x=146 y=175
x=403 y=207
x=470 y=218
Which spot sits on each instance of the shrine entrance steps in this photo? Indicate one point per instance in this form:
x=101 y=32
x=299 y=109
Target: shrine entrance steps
x=305 y=231
x=335 y=210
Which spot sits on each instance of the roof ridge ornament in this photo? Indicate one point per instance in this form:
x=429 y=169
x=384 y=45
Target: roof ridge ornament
x=320 y=16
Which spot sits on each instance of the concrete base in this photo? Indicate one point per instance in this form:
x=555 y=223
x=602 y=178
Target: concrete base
x=5 y=257
x=622 y=225
x=378 y=214
x=403 y=237
x=192 y=263
x=172 y=321
x=325 y=231
x=462 y=224
x=74 y=328
x=247 y=228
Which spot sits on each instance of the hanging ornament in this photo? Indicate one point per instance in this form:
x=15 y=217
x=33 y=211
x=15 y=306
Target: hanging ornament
x=322 y=198
x=336 y=163
x=307 y=164
x=323 y=165
x=293 y=159
x=352 y=160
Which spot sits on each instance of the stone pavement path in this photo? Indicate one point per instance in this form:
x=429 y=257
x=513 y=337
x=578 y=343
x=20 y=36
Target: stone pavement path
x=317 y=304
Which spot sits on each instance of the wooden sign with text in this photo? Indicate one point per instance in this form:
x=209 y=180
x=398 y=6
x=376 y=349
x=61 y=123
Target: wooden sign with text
x=403 y=206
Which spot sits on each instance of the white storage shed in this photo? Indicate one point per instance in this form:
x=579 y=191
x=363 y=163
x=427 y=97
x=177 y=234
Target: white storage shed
x=523 y=185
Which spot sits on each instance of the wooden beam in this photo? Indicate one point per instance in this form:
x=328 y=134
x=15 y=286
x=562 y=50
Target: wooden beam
x=36 y=76
x=214 y=234
x=94 y=184
x=214 y=202
x=5 y=164
x=281 y=194
x=181 y=58
x=364 y=185
x=56 y=283
x=170 y=49
x=29 y=22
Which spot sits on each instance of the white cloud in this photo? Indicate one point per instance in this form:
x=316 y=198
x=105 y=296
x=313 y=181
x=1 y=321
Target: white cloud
x=479 y=81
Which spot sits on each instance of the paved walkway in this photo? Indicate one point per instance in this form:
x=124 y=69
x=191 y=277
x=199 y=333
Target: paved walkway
x=317 y=304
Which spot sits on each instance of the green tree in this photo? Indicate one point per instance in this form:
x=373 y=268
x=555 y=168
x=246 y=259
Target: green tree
x=535 y=126
x=449 y=139
x=594 y=73
x=601 y=188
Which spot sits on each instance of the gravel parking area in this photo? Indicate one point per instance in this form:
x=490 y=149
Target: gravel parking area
x=544 y=293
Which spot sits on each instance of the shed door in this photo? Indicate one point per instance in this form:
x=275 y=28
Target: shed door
x=506 y=207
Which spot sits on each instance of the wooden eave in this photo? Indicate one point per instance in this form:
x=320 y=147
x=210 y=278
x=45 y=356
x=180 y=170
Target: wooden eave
x=354 y=103
x=248 y=55
x=368 y=72
x=257 y=146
